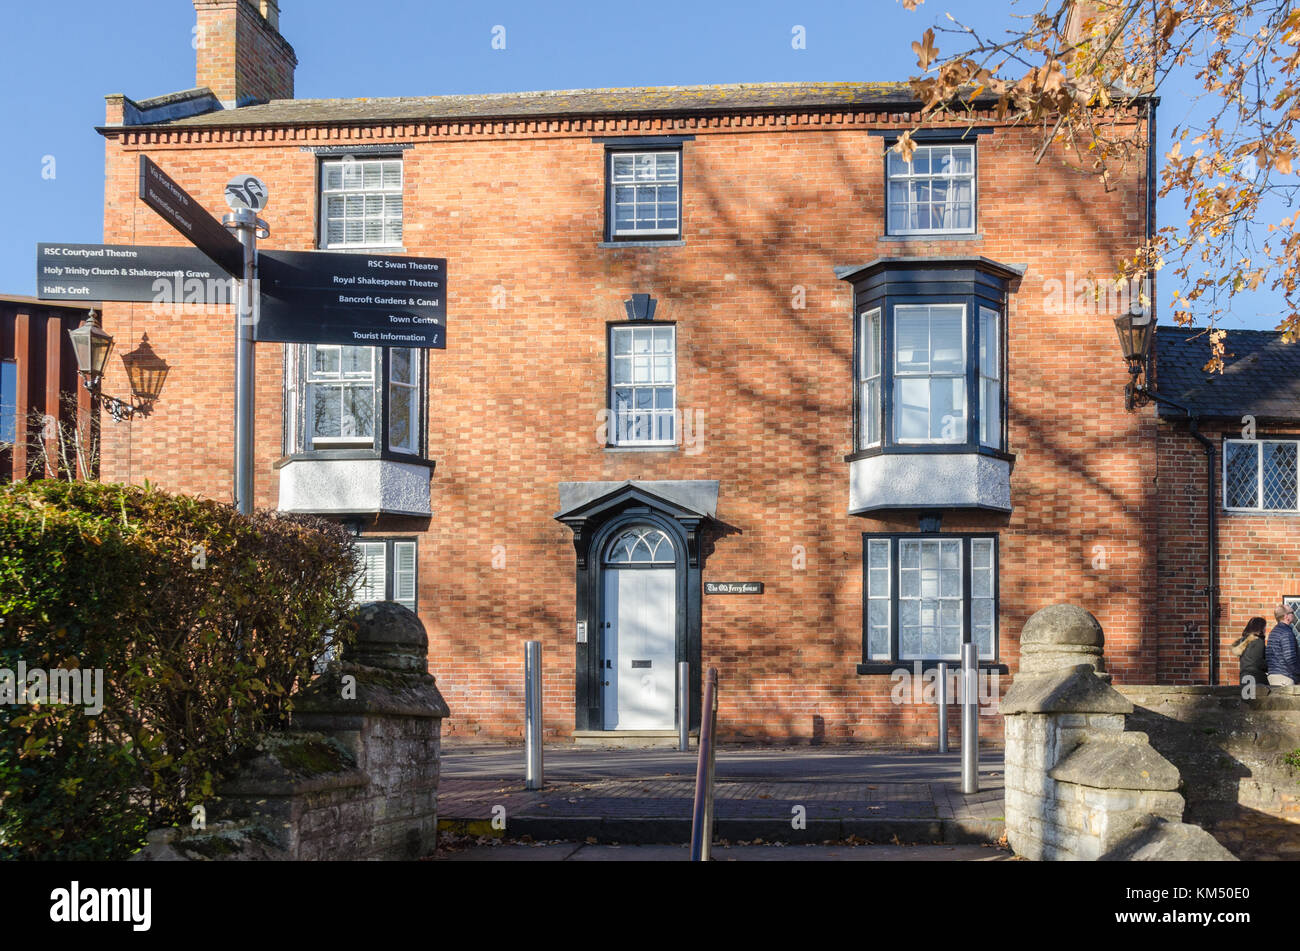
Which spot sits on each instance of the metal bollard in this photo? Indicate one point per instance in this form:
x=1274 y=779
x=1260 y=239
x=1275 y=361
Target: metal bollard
x=683 y=707
x=970 y=736
x=943 y=708
x=533 y=714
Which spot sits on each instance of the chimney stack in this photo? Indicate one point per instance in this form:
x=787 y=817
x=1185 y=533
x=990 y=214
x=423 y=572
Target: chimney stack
x=242 y=57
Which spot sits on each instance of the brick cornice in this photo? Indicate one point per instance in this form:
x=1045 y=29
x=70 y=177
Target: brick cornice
x=541 y=127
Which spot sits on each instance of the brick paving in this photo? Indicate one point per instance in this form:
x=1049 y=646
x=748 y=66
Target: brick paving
x=672 y=798
x=594 y=787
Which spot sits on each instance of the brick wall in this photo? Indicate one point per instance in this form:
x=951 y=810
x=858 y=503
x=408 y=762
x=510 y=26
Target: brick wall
x=1259 y=560
x=239 y=56
x=769 y=204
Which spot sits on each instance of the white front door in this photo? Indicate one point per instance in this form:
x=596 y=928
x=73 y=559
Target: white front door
x=640 y=648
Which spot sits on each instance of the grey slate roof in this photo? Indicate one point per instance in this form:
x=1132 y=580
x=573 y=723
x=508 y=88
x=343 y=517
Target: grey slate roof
x=565 y=102
x=1261 y=374
x=697 y=495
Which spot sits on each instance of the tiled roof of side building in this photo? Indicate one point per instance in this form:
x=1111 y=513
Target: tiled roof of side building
x=565 y=102
x=1261 y=374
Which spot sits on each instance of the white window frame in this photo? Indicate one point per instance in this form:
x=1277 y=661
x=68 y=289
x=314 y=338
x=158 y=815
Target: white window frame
x=1258 y=508
x=910 y=177
x=348 y=189
x=614 y=428
x=394 y=577
x=613 y=184
x=960 y=374
x=993 y=340
x=312 y=378
x=870 y=354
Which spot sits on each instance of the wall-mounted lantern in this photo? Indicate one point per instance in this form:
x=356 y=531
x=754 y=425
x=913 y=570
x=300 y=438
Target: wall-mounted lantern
x=145 y=370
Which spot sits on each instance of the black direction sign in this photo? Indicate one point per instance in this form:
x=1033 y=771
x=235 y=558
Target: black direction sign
x=182 y=212
x=129 y=272
x=287 y=321
x=356 y=281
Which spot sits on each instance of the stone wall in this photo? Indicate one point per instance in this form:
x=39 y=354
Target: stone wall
x=1078 y=785
x=357 y=777
x=1231 y=753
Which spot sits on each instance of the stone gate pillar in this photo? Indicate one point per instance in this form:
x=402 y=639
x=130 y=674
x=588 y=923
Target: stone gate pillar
x=1077 y=785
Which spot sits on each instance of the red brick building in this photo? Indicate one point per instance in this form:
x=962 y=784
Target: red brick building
x=697 y=335
x=1250 y=414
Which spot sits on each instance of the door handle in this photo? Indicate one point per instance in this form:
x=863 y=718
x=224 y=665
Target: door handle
x=609 y=664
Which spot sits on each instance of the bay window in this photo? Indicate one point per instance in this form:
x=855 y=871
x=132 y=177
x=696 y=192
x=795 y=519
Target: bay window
x=341 y=397
x=930 y=372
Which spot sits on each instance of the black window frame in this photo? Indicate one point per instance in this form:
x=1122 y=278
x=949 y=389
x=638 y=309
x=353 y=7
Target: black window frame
x=876 y=666
x=652 y=144
x=921 y=282
x=390 y=563
x=610 y=416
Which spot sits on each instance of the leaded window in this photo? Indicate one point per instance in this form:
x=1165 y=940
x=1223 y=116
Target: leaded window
x=1260 y=475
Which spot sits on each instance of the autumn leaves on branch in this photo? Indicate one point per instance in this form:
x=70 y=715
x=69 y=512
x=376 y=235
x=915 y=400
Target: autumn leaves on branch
x=1086 y=74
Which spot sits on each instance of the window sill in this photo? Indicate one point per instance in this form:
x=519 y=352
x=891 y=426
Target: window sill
x=934 y=236
x=645 y=243
x=352 y=455
x=939 y=449
x=641 y=448
x=885 y=668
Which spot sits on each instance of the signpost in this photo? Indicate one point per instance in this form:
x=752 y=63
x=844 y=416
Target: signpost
x=126 y=272
x=372 y=300
x=355 y=299
x=182 y=212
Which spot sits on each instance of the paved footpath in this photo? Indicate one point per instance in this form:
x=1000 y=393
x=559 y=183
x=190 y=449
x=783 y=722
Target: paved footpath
x=582 y=852
x=798 y=794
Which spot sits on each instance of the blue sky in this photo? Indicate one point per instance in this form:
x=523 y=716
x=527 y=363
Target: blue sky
x=61 y=59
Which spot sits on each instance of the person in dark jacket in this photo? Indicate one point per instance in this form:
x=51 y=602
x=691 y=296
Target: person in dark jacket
x=1250 y=649
x=1281 y=654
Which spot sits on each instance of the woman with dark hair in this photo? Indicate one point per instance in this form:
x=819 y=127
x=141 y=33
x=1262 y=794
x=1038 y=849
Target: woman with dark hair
x=1250 y=649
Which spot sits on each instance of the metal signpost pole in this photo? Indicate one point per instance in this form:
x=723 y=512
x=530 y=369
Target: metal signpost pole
x=533 y=714
x=970 y=751
x=247 y=227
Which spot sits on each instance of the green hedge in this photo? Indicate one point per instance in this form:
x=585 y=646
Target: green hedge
x=205 y=623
